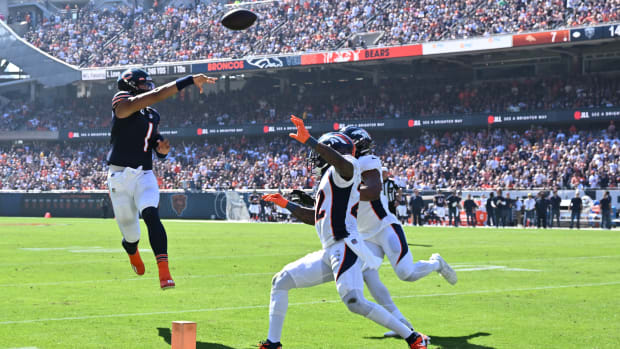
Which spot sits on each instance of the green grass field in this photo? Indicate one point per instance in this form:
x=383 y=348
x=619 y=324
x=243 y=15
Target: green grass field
x=67 y=283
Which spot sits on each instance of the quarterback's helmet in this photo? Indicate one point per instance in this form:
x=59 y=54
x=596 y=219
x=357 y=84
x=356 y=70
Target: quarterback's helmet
x=135 y=81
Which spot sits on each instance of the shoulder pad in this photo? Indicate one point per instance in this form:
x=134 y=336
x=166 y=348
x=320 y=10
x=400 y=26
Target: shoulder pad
x=369 y=162
x=119 y=96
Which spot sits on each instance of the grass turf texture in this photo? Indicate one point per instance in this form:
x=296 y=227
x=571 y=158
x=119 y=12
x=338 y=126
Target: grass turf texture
x=67 y=283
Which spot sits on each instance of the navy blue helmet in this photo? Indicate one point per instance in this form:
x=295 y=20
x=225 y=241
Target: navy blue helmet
x=335 y=140
x=135 y=81
x=361 y=138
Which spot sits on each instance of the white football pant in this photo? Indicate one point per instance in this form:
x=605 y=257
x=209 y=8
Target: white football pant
x=131 y=191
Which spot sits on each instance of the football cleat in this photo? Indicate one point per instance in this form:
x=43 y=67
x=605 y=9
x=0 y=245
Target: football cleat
x=268 y=345
x=166 y=284
x=165 y=280
x=445 y=269
x=419 y=341
x=136 y=263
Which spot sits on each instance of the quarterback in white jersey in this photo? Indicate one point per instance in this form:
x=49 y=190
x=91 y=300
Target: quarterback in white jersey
x=382 y=231
x=335 y=218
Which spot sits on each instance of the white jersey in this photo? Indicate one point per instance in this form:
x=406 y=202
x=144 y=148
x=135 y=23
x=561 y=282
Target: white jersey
x=373 y=215
x=336 y=205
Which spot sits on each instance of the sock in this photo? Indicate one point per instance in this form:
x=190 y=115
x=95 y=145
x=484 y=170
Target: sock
x=277 y=312
x=164 y=272
x=397 y=314
x=157 y=233
x=130 y=247
x=382 y=317
x=378 y=290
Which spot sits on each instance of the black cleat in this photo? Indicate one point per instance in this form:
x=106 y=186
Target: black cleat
x=268 y=345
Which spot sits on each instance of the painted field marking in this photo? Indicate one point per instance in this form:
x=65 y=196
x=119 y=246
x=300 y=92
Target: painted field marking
x=265 y=306
x=460 y=268
x=469 y=267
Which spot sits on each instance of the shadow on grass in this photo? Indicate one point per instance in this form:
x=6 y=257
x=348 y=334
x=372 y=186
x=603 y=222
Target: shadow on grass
x=450 y=342
x=420 y=245
x=166 y=334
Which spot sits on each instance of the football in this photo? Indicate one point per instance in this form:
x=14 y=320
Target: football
x=239 y=19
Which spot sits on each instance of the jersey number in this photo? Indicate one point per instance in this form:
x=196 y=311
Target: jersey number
x=148 y=136
x=319 y=214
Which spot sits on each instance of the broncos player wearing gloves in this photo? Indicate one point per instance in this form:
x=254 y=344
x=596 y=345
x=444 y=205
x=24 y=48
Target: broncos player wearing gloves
x=382 y=231
x=132 y=185
x=335 y=219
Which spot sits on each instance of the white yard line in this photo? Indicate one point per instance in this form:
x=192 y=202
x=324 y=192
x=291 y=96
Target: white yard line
x=57 y=283
x=264 y=306
x=460 y=267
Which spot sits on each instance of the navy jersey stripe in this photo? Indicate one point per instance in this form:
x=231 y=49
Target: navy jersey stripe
x=119 y=97
x=377 y=207
x=347 y=261
x=404 y=248
x=338 y=214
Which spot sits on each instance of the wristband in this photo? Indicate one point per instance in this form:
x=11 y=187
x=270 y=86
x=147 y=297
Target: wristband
x=184 y=82
x=291 y=206
x=311 y=142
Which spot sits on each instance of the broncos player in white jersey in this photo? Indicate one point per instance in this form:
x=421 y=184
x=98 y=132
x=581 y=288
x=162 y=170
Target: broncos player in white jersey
x=335 y=219
x=383 y=232
x=131 y=182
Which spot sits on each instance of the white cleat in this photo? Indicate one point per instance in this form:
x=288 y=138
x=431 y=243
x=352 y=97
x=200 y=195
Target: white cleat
x=445 y=269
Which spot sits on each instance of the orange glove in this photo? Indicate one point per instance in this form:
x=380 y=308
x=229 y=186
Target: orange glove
x=302 y=134
x=276 y=199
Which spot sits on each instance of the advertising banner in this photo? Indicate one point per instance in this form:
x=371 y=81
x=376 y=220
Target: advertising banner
x=155 y=70
x=343 y=56
x=542 y=38
x=427 y=122
x=477 y=44
x=595 y=33
x=93 y=74
x=267 y=62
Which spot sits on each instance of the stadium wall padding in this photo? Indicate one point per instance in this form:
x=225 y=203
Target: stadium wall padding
x=211 y=205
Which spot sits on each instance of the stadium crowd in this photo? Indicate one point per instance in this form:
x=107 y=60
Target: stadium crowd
x=354 y=100
x=123 y=35
x=496 y=158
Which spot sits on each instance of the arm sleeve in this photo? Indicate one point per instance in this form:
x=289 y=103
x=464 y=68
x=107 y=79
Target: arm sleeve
x=341 y=182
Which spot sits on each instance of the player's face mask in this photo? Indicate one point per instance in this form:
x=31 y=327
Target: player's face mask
x=145 y=86
x=319 y=166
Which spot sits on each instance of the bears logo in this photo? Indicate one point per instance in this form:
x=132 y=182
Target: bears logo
x=179 y=203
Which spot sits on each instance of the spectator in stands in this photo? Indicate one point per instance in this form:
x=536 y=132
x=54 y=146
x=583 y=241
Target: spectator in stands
x=102 y=37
